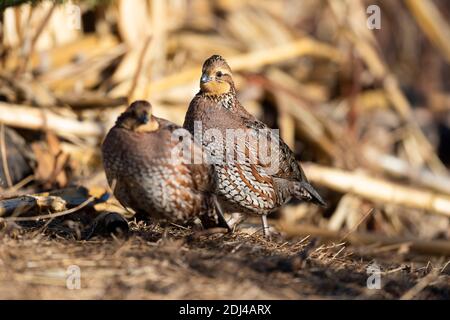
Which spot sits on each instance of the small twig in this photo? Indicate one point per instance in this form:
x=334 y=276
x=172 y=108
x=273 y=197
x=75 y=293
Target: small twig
x=138 y=71
x=401 y=268
x=258 y=230
x=9 y=181
x=40 y=230
x=179 y=226
x=422 y=284
x=355 y=227
x=36 y=37
x=445 y=266
x=337 y=253
x=21 y=183
x=304 y=239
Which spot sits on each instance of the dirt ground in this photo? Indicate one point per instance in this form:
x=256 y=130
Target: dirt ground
x=175 y=263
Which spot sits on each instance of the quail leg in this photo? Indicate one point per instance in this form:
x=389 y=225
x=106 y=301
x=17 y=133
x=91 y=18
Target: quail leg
x=265 y=226
x=214 y=218
x=222 y=222
x=214 y=224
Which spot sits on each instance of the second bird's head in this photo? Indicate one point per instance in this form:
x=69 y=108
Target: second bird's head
x=216 y=77
x=138 y=117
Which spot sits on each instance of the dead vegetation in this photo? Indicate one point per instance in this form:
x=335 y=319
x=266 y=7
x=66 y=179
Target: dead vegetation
x=367 y=111
x=168 y=263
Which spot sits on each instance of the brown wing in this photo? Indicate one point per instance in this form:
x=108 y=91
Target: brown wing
x=289 y=168
x=194 y=113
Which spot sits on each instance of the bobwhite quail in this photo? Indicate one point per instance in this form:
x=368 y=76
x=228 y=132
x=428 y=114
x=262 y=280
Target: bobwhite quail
x=145 y=172
x=243 y=185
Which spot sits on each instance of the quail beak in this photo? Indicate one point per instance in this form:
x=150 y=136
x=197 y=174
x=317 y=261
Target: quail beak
x=205 y=78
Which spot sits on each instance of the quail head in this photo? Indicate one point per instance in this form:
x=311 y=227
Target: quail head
x=245 y=182
x=144 y=170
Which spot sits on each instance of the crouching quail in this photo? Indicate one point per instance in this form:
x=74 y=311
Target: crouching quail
x=146 y=174
x=246 y=185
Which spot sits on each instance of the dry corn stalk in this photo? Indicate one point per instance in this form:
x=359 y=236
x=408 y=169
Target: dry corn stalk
x=38 y=118
x=432 y=23
x=377 y=190
x=252 y=60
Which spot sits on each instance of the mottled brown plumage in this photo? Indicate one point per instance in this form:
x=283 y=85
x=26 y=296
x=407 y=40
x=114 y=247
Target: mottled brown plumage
x=246 y=187
x=148 y=176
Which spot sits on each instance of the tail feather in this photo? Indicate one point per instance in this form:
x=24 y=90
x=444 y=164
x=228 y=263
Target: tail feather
x=304 y=191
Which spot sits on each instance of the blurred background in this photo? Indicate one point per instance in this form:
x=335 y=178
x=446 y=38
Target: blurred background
x=359 y=89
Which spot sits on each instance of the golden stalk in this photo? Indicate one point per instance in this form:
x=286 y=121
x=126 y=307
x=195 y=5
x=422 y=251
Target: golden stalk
x=377 y=190
x=432 y=23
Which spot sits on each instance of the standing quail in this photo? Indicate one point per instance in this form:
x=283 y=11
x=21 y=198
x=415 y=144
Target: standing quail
x=243 y=186
x=146 y=175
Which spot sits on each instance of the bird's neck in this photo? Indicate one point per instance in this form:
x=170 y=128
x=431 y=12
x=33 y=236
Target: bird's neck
x=226 y=100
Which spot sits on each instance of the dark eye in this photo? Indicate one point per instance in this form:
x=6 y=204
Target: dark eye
x=219 y=74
